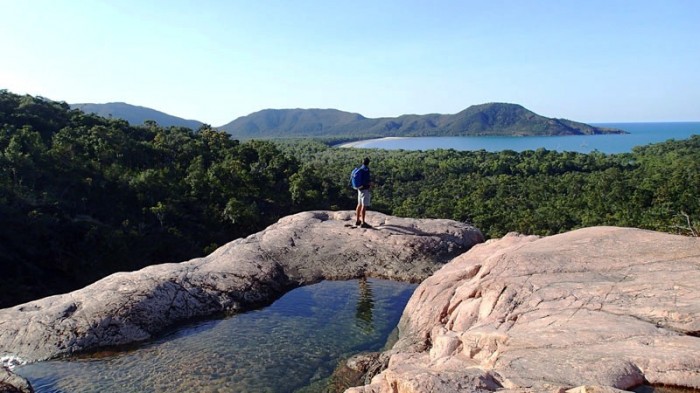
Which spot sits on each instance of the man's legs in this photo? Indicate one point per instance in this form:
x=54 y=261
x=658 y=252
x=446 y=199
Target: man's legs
x=358 y=210
x=363 y=200
x=361 y=209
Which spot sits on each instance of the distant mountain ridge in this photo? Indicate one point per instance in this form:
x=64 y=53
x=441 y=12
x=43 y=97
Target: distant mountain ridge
x=476 y=120
x=484 y=119
x=136 y=115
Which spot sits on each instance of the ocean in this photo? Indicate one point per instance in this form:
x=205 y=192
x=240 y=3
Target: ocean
x=639 y=134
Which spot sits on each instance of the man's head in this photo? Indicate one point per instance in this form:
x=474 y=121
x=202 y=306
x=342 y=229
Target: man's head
x=366 y=161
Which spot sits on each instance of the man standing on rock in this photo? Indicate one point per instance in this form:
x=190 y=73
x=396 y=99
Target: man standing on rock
x=362 y=183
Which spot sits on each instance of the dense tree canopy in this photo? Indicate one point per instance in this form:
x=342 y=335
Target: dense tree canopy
x=83 y=196
x=534 y=192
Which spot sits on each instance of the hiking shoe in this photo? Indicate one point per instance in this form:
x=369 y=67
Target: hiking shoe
x=365 y=225
x=357 y=223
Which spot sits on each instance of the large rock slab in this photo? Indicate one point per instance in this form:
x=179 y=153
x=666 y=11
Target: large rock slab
x=304 y=248
x=598 y=309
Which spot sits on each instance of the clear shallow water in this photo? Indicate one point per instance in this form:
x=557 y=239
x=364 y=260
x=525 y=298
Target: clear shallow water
x=295 y=342
x=639 y=134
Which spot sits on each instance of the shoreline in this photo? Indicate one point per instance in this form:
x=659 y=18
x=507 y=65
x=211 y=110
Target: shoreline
x=639 y=134
x=363 y=141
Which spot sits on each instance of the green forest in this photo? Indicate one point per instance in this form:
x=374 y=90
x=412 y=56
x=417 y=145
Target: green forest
x=83 y=196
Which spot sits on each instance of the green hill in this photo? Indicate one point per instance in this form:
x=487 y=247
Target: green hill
x=485 y=119
x=136 y=115
x=295 y=122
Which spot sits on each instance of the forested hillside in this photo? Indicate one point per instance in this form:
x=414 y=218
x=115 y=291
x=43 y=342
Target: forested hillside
x=136 y=115
x=485 y=119
x=83 y=196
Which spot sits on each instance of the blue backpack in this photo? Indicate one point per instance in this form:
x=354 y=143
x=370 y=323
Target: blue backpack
x=358 y=177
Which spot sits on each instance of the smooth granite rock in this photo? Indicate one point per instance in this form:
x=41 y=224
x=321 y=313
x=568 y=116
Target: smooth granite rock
x=600 y=309
x=300 y=249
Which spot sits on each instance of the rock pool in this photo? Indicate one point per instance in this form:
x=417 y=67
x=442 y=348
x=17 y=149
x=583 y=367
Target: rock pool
x=292 y=345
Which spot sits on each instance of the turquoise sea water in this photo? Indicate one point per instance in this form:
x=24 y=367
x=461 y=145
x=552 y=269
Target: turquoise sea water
x=293 y=344
x=639 y=134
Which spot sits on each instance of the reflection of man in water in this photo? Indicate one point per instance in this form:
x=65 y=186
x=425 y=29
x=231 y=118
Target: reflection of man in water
x=365 y=304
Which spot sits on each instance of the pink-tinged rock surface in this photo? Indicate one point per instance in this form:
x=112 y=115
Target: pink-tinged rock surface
x=308 y=247
x=599 y=309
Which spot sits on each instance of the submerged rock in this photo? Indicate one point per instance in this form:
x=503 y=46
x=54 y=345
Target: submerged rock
x=13 y=383
x=300 y=249
x=599 y=309
x=357 y=370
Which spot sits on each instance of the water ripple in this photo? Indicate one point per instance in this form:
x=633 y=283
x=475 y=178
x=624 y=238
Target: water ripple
x=295 y=342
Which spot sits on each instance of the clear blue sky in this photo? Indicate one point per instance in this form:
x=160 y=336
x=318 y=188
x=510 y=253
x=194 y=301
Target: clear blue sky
x=213 y=61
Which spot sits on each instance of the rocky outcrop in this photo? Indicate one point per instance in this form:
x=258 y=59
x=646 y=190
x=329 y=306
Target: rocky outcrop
x=598 y=309
x=304 y=248
x=13 y=383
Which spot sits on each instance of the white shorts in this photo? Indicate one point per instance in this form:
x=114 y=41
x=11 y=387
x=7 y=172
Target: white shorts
x=364 y=197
